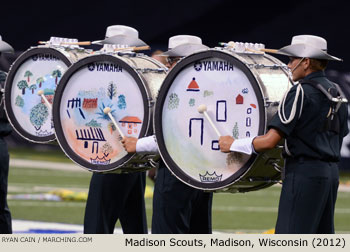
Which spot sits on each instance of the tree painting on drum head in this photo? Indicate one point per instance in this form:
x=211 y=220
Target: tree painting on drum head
x=111 y=90
x=57 y=74
x=19 y=101
x=33 y=87
x=38 y=115
x=28 y=74
x=22 y=85
x=106 y=149
x=121 y=102
x=173 y=101
x=39 y=81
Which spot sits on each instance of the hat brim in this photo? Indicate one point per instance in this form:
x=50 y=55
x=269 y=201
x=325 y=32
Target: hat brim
x=123 y=40
x=5 y=47
x=184 y=50
x=306 y=51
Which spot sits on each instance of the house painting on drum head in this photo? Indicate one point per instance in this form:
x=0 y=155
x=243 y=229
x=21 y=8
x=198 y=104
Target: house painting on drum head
x=131 y=122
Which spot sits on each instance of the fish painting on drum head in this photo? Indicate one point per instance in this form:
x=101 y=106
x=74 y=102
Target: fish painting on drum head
x=37 y=69
x=85 y=133
x=234 y=96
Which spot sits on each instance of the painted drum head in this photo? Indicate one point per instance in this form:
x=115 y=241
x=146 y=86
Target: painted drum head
x=85 y=133
x=223 y=86
x=36 y=69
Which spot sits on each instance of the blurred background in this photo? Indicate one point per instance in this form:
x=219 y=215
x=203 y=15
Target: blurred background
x=272 y=23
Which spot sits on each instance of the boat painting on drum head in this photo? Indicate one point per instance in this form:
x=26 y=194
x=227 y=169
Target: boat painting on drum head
x=85 y=133
x=38 y=69
x=234 y=100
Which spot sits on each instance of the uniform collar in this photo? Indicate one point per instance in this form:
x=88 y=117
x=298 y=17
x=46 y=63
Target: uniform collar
x=315 y=75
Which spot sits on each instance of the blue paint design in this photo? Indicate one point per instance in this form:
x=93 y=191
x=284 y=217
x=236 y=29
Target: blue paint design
x=68 y=113
x=81 y=113
x=217 y=111
x=121 y=102
x=247 y=134
x=248 y=122
x=190 y=127
x=249 y=111
x=215 y=145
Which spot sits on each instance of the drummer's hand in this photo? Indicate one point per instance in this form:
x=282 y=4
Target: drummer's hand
x=225 y=143
x=129 y=144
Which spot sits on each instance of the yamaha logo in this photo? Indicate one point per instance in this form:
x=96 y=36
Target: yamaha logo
x=44 y=57
x=104 y=67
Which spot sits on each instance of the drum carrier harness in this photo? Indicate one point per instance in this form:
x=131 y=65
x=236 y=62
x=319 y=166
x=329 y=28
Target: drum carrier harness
x=334 y=94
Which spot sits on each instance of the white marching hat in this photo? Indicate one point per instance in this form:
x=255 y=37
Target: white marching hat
x=5 y=47
x=307 y=46
x=122 y=35
x=184 y=45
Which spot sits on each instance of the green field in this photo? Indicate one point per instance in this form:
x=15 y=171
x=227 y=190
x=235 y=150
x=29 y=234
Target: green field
x=253 y=212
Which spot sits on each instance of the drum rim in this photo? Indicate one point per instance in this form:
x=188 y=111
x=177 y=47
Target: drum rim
x=8 y=86
x=157 y=122
x=57 y=119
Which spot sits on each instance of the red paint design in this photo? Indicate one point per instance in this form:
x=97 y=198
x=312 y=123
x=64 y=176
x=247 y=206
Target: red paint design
x=239 y=99
x=253 y=105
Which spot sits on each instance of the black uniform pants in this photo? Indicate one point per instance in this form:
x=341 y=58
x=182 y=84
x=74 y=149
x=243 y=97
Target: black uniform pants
x=179 y=208
x=308 y=197
x=5 y=215
x=116 y=196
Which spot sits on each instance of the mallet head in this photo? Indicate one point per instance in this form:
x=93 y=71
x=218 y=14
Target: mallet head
x=202 y=108
x=107 y=110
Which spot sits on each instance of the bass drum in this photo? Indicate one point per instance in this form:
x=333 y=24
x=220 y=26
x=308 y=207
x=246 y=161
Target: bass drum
x=39 y=68
x=128 y=84
x=241 y=93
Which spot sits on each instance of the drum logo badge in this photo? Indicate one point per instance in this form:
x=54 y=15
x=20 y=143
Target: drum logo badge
x=197 y=66
x=210 y=177
x=91 y=67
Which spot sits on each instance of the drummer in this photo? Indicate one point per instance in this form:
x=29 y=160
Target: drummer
x=117 y=196
x=313 y=128
x=177 y=207
x=5 y=129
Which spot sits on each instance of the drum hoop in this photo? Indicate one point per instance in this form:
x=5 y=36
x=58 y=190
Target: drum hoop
x=57 y=118
x=11 y=75
x=157 y=122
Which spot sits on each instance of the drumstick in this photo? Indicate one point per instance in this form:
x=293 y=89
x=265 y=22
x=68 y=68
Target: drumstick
x=41 y=93
x=69 y=43
x=107 y=111
x=134 y=48
x=203 y=110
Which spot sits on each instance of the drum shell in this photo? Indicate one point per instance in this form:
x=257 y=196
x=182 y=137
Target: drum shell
x=147 y=73
x=65 y=56
x=258 y=67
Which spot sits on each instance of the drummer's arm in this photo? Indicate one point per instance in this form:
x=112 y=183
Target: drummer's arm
x=141 y=145
x=250 y=145
x=267 y=141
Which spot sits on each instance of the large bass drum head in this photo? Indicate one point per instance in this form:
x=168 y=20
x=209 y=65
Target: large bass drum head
x=187 y=142
x=37 y=69
x=84 y=132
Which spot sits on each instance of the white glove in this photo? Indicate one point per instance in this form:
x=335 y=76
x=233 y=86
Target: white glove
x=244 y=145
x=147 y=145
